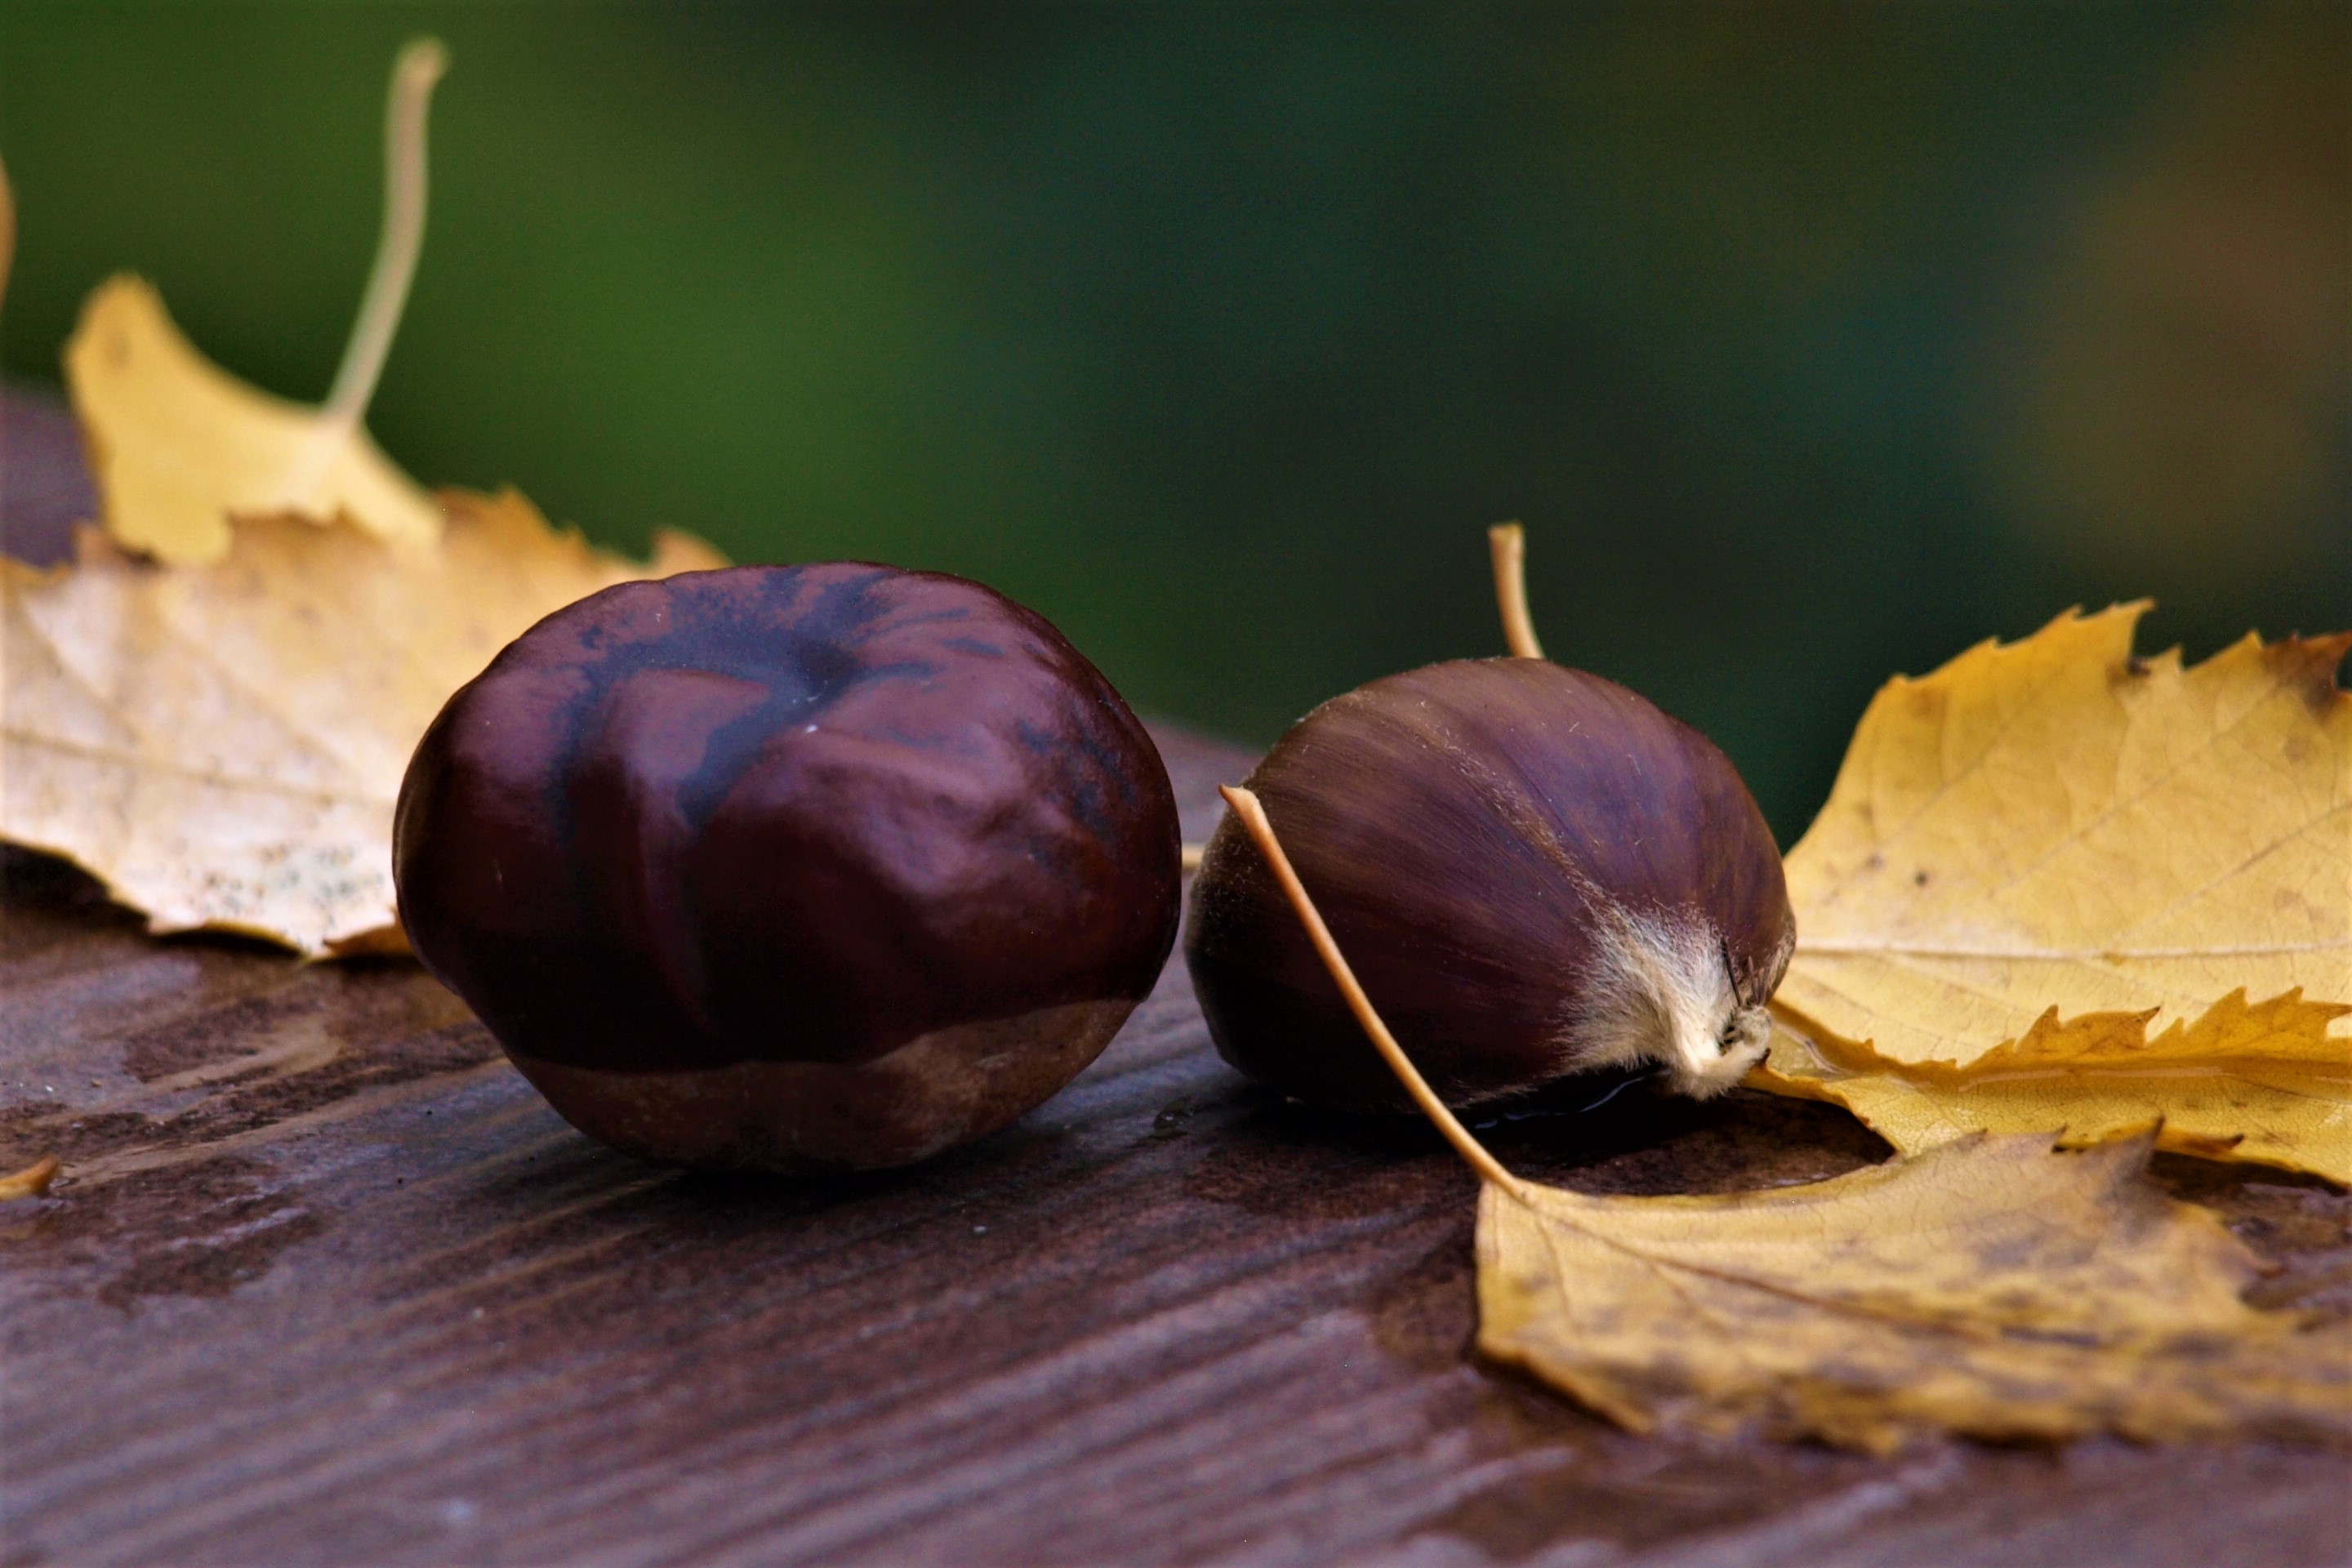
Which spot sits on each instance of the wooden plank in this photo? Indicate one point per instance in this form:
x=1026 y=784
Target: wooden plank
x=326 y=1282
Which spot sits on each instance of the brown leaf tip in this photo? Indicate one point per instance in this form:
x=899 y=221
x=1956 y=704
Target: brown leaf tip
x=2310 y=667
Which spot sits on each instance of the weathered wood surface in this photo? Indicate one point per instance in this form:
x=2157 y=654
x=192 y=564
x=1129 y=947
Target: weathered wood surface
x=325 y=1282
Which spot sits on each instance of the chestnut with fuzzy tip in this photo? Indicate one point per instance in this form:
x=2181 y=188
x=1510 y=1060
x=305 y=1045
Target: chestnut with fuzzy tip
x=1533 y=871
x=792 y=867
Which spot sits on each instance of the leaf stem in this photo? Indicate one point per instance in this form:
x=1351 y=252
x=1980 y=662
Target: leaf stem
x=8 y=229
x=1245 y=805
x=1508 y=542
x=418 y=66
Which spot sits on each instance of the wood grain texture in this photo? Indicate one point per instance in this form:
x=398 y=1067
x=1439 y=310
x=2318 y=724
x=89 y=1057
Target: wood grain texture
x=324 y=1281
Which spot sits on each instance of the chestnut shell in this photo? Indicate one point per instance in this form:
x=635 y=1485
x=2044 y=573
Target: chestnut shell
x=787 y=867
x=1452 y=824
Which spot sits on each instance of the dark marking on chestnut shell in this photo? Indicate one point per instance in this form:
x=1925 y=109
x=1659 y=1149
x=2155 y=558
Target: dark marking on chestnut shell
x=786 y=815
x=1448 y=823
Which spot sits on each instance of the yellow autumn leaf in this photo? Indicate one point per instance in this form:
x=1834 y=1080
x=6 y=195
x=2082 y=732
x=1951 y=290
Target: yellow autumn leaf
x=1989 y=1288
x=2058 y=887
x=223 y=745
x=2262 y=1083
x=212 y=707
x=177 y=444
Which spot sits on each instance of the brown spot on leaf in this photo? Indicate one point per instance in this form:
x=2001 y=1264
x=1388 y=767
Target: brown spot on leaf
x=2308 y=666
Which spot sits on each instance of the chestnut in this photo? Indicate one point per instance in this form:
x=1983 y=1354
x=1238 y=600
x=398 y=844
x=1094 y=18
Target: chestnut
x=791 y=867
x=1533 y=871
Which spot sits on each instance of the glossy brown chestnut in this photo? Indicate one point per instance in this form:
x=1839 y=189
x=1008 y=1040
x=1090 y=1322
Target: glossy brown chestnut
x=792 y=867
x=1533 y=871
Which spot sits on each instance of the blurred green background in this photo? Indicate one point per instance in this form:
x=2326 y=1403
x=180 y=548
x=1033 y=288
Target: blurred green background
x=1813 y=342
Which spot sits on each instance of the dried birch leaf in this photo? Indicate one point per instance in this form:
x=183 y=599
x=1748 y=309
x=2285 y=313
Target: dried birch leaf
x=2044 y=854
x=1988 y=1288
x=177 y=443
x=222 y=745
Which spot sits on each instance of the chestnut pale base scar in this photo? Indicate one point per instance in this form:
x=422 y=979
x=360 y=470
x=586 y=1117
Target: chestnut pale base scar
x=938 y=1090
